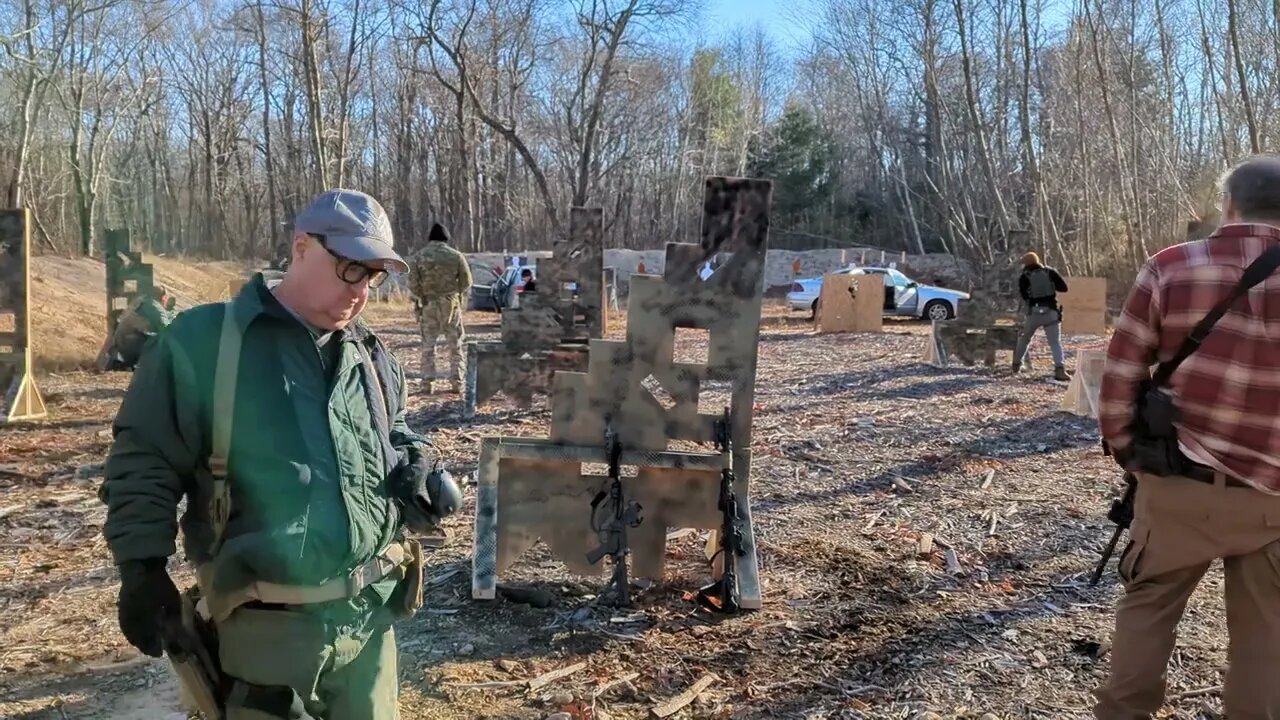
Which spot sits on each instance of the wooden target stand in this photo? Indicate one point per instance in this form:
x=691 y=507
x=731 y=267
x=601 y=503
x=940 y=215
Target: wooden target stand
x=21 y=399
x=552 y=328
x=850 y=303
x=128 y=278
x=638 y=393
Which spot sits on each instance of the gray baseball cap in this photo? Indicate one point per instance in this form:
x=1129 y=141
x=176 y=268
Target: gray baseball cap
x=353 y=225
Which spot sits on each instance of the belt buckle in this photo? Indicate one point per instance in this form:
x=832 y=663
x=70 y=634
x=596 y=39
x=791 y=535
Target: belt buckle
x=356 y=580
x=363 y=576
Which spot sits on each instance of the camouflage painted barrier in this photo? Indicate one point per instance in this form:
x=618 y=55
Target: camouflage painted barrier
x=128 y=279
x=985 y=324
x=629 y=411
x=21 y=398
x=127 y=275
x=969 y=343
x=553 y=324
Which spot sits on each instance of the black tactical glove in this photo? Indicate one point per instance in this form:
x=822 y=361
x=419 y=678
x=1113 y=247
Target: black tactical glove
x=425 y=492
x=148 y=599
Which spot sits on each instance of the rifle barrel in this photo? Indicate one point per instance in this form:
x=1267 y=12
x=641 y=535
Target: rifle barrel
x=1106 y=555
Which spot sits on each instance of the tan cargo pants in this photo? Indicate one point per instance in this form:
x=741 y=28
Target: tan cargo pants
x=442 y=316
x=1179 y=527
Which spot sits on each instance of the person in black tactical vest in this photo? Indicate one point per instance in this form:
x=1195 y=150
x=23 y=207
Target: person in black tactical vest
x=1039 y=286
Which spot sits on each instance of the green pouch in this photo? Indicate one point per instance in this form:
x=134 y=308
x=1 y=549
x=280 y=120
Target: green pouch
x=407 y=598
x=274 y=647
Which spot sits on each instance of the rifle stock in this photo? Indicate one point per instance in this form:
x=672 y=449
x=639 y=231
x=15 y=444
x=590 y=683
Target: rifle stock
x=191 y=646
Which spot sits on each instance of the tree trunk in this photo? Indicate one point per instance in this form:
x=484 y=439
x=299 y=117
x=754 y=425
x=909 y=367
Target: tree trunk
x=1233 y=33
x=975 y=120
x=315 y=109
x=273 y=208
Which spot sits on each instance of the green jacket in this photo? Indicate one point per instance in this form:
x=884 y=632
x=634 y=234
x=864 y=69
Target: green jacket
x=437 y=271
x=308 y=463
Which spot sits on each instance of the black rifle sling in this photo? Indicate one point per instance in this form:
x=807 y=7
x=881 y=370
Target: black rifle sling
x=1257 y=271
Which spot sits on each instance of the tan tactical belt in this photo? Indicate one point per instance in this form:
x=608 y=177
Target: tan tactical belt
x=398 y=559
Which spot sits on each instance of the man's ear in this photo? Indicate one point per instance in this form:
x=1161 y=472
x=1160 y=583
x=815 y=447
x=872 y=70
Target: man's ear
x=301 y=244
x=1228 y=214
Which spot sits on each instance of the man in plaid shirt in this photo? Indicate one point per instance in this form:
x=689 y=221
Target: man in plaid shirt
x=1228 y=398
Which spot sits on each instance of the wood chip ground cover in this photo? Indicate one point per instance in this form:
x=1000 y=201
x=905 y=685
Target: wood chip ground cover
x=925 y=539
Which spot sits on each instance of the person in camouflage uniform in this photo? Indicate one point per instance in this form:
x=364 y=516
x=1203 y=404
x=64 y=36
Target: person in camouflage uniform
x=146 y=316
x=440 y=281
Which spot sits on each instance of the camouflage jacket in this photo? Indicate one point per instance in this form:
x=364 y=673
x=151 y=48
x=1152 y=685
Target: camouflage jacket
x=145 y=315
x=439 y=271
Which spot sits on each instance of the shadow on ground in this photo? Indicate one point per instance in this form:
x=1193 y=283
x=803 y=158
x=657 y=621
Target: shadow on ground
x=1005 y=440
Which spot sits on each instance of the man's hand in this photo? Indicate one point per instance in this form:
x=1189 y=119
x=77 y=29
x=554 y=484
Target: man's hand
x=424 y=491
x=1122 y=455
x=148 y=598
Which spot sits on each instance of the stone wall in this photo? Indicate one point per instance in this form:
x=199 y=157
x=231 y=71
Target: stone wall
x=932 y=269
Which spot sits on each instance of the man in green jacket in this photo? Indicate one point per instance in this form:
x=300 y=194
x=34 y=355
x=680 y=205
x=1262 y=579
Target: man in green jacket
x=280 y=416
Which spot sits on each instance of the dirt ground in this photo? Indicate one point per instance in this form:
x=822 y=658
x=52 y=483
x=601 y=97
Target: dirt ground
x=860 y=449
x=68 y=297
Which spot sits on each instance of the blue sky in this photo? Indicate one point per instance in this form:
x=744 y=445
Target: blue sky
x=783 y=19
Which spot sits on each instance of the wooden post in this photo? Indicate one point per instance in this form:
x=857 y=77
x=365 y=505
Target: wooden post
x=21 y=399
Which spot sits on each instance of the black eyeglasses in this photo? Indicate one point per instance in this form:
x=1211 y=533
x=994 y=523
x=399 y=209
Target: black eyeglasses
x=351 y=272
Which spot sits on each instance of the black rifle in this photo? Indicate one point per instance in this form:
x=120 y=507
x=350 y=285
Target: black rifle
x=613 y=535
x=1121 y=513
x=722 y=595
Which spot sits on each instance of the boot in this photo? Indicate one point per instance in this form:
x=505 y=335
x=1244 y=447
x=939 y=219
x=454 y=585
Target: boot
x=1060 y=373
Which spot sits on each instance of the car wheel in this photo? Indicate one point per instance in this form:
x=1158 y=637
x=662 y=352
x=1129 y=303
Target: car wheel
x=938 y=310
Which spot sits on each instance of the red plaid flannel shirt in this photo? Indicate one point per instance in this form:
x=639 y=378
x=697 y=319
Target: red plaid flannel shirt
x=1228 y=391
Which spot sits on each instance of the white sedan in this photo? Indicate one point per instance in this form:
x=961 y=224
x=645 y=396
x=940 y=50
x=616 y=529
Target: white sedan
x=904 y=297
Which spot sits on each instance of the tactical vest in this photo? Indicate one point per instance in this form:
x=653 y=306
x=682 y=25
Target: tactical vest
x=383 y=393
x=1040 y=285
